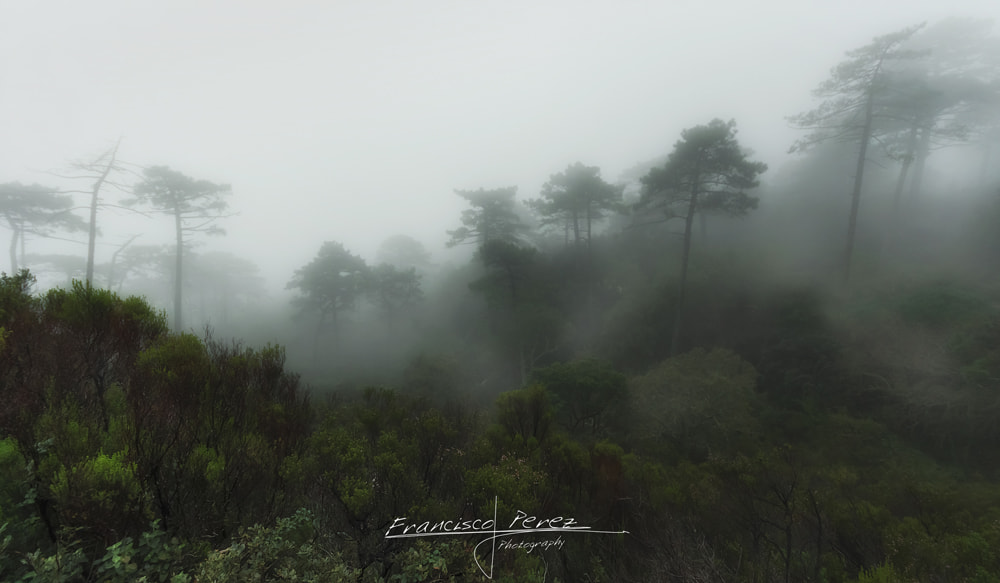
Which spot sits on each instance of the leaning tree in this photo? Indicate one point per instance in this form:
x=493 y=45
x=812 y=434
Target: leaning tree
x=857 y=92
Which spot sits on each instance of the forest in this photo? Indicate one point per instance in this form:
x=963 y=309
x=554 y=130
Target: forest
x=725 y=372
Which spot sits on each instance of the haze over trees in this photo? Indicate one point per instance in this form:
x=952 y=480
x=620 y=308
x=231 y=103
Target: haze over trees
x=36 y=210
x=722 y=408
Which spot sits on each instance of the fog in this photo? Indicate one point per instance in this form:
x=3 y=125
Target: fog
x=355 y=121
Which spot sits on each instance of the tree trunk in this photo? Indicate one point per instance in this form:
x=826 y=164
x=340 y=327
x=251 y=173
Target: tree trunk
x=891 y=232
x=576 y=228
x=13 y=250
x=852 y=222
x=92 y=239
x=923 y=151
x=94 y=199
x=685 y=255
x=703 y=223
x=177 y=270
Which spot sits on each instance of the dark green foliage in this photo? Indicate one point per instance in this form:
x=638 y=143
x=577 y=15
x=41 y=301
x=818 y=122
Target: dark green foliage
x=940 y=304
x=797 y=354
x=977 y=348
x=289 y=551
x=587 y=392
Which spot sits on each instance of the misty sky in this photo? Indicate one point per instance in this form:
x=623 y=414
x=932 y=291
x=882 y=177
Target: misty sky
x=355 y=120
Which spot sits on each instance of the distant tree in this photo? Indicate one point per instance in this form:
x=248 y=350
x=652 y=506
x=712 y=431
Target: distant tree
x=102 y=172
x=37 y=210
x=515 y=288
x=393 y=290
x=493 y=217
x=852 y=97
x=707 y=171
x=959 y=83
x=576 y=198
x=222 y=281
x=330 y=284
x=195 y=206
x=404 y=252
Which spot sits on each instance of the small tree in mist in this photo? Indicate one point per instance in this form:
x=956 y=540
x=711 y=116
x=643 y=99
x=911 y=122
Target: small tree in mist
x=853 y=96
x=575 y=199
x=394 y=290
x=195 y=206
x=35 y=209
x=330 y=284
x=491 y=218
x=404 y=252
x=707 y=171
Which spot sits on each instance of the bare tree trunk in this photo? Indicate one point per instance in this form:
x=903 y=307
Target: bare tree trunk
x=94 y=199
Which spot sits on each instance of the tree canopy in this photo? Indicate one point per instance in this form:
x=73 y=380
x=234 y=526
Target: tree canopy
x=492 y=217
x=575 y=199
x=35 y=209
x=195 y=205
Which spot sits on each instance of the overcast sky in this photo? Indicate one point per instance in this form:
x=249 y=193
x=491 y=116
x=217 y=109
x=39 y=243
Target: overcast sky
x=355 y=120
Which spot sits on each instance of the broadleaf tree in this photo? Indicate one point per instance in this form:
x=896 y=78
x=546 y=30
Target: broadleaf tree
x=708 y=171
x=195 y=206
